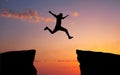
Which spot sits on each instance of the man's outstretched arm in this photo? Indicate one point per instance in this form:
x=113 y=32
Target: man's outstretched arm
x=65 y=16
x=52 y=14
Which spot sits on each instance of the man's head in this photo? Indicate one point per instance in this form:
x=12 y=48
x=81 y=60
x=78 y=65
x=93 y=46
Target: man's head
x=61 y=14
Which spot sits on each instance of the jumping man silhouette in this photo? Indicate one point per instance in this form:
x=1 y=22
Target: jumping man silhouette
x=58 y=26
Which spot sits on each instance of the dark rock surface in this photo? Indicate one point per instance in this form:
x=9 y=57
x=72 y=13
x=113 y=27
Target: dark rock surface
x=98 y=63
x=18 y=63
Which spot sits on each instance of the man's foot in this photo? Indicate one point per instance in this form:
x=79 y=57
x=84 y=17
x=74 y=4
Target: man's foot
x=70 y=37
x=45 y=28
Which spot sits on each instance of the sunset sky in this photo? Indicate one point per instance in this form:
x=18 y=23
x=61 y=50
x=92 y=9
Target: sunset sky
x=94 y=24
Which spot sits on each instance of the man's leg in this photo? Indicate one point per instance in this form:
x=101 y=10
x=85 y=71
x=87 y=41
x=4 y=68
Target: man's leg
x=52 y=32
x=66 y=31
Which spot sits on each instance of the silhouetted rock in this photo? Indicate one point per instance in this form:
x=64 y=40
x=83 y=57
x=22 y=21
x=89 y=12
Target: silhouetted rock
x=98 y=63
x=18 y=63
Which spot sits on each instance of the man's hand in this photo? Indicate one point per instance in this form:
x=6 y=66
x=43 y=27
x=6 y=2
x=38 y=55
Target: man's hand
x=65 y=16
x=50 y=12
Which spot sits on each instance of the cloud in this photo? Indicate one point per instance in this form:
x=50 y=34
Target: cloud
x=75 y=14
x=26 y=15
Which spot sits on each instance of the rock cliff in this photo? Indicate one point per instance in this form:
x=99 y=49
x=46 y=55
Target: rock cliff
x=18 y=63
x=98 y=63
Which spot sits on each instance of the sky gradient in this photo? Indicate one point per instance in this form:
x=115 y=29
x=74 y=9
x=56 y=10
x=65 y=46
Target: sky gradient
x=94 y=24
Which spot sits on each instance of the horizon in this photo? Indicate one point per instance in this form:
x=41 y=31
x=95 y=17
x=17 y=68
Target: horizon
x=94 y=24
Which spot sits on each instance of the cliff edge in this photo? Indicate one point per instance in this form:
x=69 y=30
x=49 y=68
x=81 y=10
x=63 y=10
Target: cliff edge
x=98 y=63
x=18 y=63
